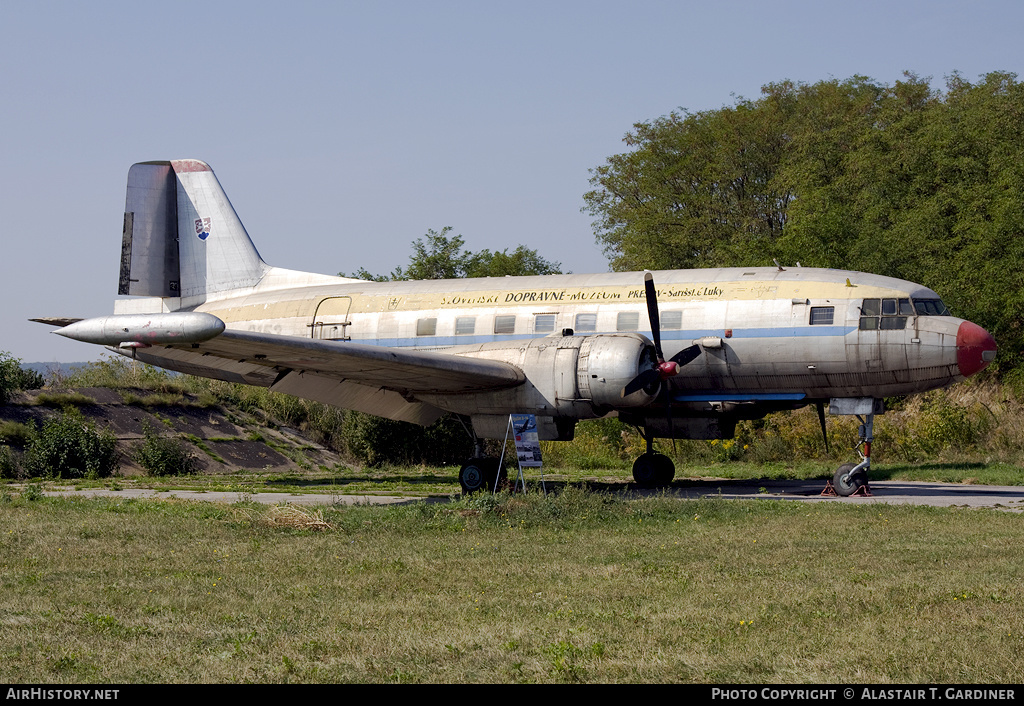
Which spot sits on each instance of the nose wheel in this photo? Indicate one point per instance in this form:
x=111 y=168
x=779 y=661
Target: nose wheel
x=852 y=478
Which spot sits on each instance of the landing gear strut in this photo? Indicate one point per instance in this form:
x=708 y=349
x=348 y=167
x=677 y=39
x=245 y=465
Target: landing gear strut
x=850 y=479
x=652 y=470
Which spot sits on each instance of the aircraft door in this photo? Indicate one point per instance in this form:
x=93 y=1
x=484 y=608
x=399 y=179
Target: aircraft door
x=330 y=321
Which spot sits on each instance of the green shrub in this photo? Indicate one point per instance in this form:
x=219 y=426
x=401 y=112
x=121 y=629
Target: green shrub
x=162 y=456
x=68 y=446
x=376 y=441
x=118 y=371
x=13 y=378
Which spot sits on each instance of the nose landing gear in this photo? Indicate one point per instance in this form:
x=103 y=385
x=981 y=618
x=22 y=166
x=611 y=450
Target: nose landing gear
x=852 y=479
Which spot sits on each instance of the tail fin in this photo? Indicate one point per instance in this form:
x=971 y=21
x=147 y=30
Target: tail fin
x=182 y=238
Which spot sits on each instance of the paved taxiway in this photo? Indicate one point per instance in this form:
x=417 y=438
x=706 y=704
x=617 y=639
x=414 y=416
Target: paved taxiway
x=1002 y=497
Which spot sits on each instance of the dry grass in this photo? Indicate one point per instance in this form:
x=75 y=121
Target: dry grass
x=578 y=587
x=286 y=517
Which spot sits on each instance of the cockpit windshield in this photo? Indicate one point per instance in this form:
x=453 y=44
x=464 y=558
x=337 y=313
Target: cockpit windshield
x=931 y=307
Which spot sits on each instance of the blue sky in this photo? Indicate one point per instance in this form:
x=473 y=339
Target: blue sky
x=342 y=131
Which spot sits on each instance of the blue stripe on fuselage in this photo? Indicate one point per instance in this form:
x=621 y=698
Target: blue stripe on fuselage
x=688 y=336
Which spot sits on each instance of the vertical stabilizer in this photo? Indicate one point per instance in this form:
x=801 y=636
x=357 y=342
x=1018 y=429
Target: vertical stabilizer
x=182 y=238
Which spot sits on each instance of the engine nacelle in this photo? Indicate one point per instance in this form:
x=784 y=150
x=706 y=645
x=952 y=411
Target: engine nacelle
x=607 y=363
x=578 y=377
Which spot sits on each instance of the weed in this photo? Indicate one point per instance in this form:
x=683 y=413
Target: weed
x=16 y=433
x=162 y=456
x=63 y=400
x=32 y=492
x=68 y=446
x=8 y=462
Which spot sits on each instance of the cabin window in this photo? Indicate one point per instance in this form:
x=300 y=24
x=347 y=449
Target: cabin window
x=465 y=325
x=671 y=320
x=931 y=307
x=627 y=321
x=586 y=322
x=822 y=315
x=505 y=323
x=544 y=323
x=884 y=314
x=426 y=327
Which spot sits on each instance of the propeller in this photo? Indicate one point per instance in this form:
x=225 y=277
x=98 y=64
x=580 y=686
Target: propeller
x=664 y=369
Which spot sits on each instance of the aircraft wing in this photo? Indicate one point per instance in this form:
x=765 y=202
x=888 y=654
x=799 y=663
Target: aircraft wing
x=373 y=379
x=398 y=369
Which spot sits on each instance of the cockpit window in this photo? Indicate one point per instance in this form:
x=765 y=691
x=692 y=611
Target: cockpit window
x=884 y=314
x=931 y=307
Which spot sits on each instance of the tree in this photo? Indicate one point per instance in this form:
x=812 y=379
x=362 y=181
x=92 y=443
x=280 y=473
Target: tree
x=898 y=180
x=440 y=256
x=376 y=441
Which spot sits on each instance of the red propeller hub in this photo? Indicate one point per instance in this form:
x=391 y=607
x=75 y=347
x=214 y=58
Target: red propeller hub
x=667 y=369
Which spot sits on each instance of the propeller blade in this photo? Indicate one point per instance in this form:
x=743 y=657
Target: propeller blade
x=686 y=355
x=652 y=314
x=821 y=420
x=644 y=379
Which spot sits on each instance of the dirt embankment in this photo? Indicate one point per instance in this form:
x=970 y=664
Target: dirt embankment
x=222 y=440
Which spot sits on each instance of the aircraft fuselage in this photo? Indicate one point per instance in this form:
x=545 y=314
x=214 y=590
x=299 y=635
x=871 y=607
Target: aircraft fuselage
x=770 y=338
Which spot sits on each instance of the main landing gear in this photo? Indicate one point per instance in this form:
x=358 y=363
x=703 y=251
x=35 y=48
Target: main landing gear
x=480 y=472
x=652 y=470
x=850 y=478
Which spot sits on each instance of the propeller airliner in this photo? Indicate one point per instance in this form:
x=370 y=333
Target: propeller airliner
x=677 y=353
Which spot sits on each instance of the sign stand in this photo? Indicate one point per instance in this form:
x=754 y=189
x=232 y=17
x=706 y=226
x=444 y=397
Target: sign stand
x=523 y=428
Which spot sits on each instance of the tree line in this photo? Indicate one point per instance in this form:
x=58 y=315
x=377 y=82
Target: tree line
x=902 y=180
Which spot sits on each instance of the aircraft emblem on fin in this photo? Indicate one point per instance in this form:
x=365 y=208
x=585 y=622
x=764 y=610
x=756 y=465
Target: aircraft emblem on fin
x=203 y=228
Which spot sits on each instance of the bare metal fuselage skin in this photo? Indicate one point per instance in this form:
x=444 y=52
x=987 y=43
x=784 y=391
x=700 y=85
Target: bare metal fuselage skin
x=759 y=349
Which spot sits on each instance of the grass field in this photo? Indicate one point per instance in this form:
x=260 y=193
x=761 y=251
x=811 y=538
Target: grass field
x=577 y=586
x=443 y=480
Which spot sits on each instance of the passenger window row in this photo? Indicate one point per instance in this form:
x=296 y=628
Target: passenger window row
x=545 y=323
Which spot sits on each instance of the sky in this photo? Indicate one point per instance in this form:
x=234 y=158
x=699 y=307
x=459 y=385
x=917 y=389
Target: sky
x=342 y=131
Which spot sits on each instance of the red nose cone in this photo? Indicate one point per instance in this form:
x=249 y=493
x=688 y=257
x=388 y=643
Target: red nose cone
x=975 y=348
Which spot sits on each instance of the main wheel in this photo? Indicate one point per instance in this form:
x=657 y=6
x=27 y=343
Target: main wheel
x=651 y=470
x=665 y=470
x=847 y=483
x=473 y=476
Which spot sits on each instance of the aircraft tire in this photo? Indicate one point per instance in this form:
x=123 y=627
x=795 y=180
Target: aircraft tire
x=665 y=469
x=846 y=484
x=473 y=476
x=653 y=470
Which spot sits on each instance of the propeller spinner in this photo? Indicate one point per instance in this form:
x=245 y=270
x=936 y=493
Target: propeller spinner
x=664 y=369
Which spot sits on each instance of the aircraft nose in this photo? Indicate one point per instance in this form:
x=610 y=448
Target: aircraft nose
x=975 y=348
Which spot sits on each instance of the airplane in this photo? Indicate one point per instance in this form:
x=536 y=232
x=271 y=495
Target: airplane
x=678 y=354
